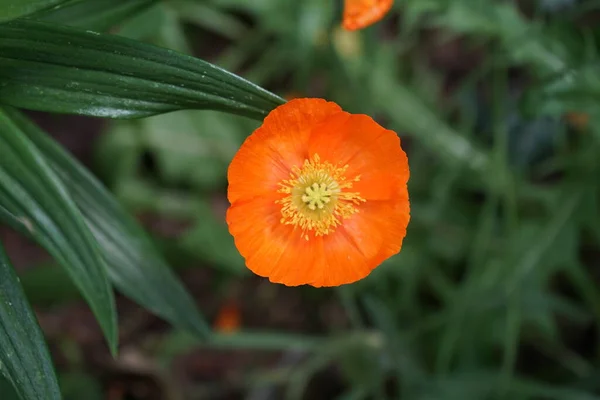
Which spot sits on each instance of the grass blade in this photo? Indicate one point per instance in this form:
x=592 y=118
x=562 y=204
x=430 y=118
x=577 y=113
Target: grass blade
x=11 y=9
x=93 y=14
x=24 y=358
x=132 y=262
x=60 y=69
x=33 y=197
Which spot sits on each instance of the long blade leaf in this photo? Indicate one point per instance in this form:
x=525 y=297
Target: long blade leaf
x=93 y=14
x=11 y=9
x=32 y=195
x=24 y=358
x=134 y=265
x=65 y=70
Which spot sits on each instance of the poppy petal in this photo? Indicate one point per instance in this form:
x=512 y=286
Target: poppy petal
x=378 y=230
x=272 y=249
x=291 y=124
x=383 y=169
x=359 y=14
x=302 y=264
x=267 y=156
x=279 y=252
x=255 y=170
x=342 y=136
x=344 y=262
x=370 y=151
x=259 y=236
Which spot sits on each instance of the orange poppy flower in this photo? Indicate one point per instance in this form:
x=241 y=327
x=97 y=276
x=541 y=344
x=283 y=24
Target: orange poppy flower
x=318 y=196
x=359 y=14
x=228 y=319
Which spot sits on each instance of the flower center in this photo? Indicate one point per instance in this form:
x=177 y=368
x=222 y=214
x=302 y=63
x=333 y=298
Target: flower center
x=317 y=198
x=317 y=195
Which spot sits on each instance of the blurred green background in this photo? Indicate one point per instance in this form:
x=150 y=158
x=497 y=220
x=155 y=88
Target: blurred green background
x=496 y=292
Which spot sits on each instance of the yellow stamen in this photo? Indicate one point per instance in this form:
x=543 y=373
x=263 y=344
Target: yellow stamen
x=317 y=198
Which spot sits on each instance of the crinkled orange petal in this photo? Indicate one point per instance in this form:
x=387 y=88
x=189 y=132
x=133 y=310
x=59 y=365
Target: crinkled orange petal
x=383 y=168
x=258 y=234
x=267 y=156
x=344 y=262
x=359 y=14
x=370 y=151
x=341 y=137
x=303 y=262
x=272 y=249
x=378 y=230
x=280 y=253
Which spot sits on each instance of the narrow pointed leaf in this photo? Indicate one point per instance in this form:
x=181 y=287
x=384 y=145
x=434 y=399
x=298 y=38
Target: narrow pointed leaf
x=132 y=262
x=11 y=9
x=32 y=195
x=24 y=358
x=93 y=14
x=65 y=70
x=7 y=391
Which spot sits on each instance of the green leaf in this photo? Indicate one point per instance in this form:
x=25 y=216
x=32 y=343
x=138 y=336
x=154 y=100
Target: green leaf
x=94 y=14
x=402 y=104
x=11 y=9
x=132 y=262
x=78 y=385
x=24 y=358
x=33 y=200
x=7 y=391
x=211 y=18
x=60 y=69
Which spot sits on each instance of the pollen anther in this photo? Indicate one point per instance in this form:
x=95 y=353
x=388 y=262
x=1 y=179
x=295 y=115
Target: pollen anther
x=317 y=200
